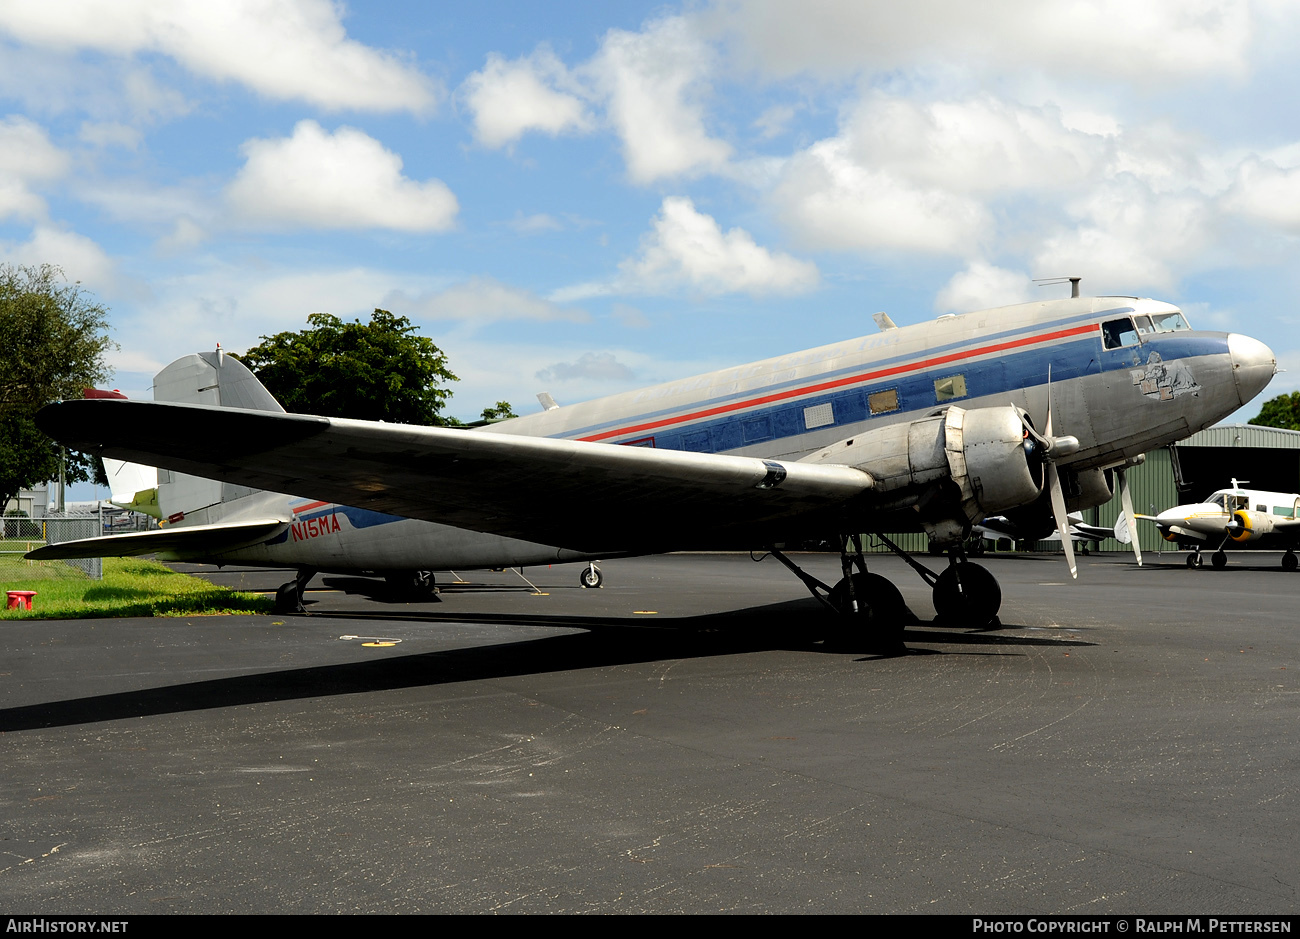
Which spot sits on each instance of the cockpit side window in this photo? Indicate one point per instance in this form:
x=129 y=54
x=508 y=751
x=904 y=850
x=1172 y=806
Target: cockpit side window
x=1118 y=333
x=1169 y=322
x=1144 y=325
x=1219 y=499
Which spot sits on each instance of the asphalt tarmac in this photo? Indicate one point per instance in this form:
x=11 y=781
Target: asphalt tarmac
x=672 y=742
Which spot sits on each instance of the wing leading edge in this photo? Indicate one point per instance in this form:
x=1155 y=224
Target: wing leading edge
x=213 y=539
x=587 y=496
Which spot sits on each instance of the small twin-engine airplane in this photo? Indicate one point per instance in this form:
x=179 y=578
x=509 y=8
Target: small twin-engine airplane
x=933 y=427
x=1242 y=516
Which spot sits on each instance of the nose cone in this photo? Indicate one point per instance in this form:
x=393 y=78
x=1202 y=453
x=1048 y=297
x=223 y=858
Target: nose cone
x=1253 y=365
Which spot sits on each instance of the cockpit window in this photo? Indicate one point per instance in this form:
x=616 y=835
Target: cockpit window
x=1169 y=322
x=1119 y=333
x=1218 y=499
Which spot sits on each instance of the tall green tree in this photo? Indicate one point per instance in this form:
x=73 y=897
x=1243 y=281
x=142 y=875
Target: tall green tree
x=376 y=371
x=500 y=412
x=1282 y=411
x=54 y=336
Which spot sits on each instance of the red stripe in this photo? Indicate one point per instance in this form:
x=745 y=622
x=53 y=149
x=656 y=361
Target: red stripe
x=850 y=380
x=309 y=506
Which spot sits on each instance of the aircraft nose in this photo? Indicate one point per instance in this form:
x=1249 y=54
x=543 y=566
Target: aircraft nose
x=1253 y=365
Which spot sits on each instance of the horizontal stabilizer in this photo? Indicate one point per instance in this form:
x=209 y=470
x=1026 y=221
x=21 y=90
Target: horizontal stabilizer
x=197 y=539
x=574 y=494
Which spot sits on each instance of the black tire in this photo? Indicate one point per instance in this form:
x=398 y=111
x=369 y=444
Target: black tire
x=1193 y=561
x=415 y=585
x=879 y=621
x=591 y=577
x=1219 y=559
x=288 y=601
x=967 y=595
x=1290 y=562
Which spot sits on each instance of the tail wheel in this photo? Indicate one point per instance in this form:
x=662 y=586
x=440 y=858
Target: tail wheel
x=591 y=577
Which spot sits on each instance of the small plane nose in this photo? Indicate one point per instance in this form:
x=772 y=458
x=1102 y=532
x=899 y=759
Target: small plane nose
x=1253 y=365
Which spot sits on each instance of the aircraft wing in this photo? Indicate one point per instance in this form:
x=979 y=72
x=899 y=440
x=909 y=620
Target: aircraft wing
x=587 y=496
x=212 y=539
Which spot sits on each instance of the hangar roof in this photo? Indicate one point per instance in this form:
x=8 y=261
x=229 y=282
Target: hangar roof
x=1244 y=435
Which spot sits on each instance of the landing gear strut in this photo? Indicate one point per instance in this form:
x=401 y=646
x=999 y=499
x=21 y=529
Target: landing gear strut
x=869 y=610
x=288 y=598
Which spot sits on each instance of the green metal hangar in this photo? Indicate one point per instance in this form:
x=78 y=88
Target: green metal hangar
x=1257 y=457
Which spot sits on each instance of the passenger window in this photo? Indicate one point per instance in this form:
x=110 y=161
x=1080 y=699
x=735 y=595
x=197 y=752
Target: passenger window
x=1119 y=333
x=881 y=401
x=954 y=386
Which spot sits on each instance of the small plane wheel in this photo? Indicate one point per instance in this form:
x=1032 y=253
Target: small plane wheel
x=881 y=617
x=967 y=594
x=288 y=600
x=1084 y=550
x=1193 y=561
x=1290 y=562
x=591 y=577
x=1219 y=559
x=418 y=585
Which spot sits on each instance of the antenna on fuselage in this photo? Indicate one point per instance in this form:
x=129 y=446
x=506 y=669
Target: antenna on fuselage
x=1047 y=281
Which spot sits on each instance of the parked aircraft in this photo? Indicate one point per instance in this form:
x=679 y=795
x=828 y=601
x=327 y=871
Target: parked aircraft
x=999 y=526
x=932 y=426
x=1242 y=516
x=222 y=523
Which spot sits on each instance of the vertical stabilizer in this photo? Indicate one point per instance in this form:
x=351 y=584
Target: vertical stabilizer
x=206 y=378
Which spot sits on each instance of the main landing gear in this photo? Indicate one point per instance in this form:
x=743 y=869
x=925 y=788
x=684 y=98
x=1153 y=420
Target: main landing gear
x=870 y=610
x=288 y=598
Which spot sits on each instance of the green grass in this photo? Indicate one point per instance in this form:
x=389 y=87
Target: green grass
x=131 y=587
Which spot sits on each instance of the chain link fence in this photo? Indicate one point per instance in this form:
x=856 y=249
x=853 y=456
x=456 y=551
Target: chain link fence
x=20 y=535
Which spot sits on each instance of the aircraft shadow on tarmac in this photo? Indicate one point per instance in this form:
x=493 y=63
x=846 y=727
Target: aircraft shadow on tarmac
x=605 y=641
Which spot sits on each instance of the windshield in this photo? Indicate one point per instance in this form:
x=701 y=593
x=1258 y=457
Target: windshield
x=1169 y=322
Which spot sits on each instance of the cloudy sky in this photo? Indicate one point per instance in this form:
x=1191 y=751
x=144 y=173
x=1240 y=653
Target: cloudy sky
x=583 y=198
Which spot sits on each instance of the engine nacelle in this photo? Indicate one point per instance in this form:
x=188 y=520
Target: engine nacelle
x=1249 y=526
x=984 y=455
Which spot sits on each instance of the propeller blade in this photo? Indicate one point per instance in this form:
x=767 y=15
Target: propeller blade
x=1126 y=500
x=1062 y=518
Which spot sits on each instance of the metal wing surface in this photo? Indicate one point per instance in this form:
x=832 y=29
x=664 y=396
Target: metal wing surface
x=214 y=539
x=574 y=494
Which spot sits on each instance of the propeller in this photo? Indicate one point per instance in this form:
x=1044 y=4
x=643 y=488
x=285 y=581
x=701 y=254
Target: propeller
x=1130 y=520
x=1057 y=447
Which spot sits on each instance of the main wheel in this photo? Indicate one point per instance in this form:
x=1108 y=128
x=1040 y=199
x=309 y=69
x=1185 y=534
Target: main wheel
x=591 y=577
x=1289 y=561
x=1193 y=560
x=288 y=600
x=1219 y=559
x=967 y=594
x=879 y=620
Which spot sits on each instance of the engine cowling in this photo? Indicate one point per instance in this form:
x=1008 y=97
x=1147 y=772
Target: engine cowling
x=955 y=467
x=1247 y=525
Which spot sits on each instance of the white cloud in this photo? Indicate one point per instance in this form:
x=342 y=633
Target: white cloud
x=1268 y=193
x=829 y=200
x=26 y=156
x=534 y=224
x=687 y=248
x=106 y=134
x=599 y=366
x=347 y=179
x=80 y=258
x=1127 y=237
x=981 y=286
x=653 y=83
x=1150 y=41
x=284 y=49
x=532 y=93
x=482 y=300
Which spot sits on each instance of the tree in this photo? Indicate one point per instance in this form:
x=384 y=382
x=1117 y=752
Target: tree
x=500 y=412
x=1282 y=411
x=53 y=336
x=376 y=371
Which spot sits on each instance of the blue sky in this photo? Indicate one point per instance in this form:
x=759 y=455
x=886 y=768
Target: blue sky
x=585 y=198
